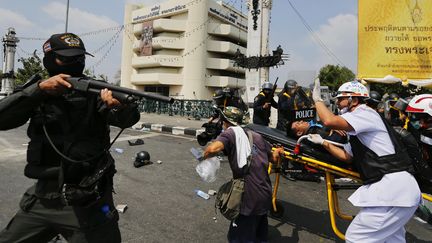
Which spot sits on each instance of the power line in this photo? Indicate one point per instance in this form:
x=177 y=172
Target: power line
x=316 y=37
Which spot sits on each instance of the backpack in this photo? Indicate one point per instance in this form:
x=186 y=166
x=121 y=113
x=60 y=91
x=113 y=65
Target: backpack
x=229 y=196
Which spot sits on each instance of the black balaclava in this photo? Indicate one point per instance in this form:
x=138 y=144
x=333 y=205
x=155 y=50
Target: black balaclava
x=74 y=69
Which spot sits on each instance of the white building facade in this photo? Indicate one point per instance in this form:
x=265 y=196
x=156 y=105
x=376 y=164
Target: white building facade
x=182 y=48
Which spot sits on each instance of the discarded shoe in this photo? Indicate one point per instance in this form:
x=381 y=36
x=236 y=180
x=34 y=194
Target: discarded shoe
x=137 y=142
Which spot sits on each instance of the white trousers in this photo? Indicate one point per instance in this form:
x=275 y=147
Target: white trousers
x=379 y=224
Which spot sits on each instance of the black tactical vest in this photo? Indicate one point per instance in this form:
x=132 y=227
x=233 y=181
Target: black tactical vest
x=75 y=128
x=373 y=167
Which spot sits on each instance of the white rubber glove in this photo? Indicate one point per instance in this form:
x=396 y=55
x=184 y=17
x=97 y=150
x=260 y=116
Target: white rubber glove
x=316 y=139
x=316 y=92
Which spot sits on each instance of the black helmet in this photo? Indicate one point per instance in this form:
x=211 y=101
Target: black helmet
x=142 y=158
x=394 y=96
x=401 y=105
x=228 y=91
x=267 y=85
x=218 y=94
x=374 y=97
x=290 y=84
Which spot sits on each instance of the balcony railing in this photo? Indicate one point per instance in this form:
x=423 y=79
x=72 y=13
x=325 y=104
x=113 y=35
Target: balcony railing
x=196 y=109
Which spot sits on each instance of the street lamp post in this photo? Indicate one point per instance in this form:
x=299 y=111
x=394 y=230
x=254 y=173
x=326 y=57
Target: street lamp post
x=67 y=15
x=8 y=78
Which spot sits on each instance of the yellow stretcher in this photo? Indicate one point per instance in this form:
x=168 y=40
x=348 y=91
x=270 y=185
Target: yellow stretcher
x=330 y=171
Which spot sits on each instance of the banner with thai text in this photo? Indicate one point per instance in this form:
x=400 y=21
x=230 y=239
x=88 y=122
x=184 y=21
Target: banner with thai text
x=146 y=39
x=395 y=38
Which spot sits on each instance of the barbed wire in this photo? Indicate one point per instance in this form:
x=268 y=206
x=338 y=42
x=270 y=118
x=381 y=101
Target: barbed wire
x=96 y=32
x=191 y=51
x=126 y=28
x=107 y=42
x=27 y=53
x=128 y=32
x=108 y=51
x=32 y=38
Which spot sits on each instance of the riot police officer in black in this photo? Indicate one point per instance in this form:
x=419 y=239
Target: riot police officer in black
x=374 y=99
x=68 y=153
x=262 y=105
x=286 y=104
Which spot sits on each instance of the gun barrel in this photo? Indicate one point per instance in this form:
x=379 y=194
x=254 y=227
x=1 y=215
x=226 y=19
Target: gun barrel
x=96 y=84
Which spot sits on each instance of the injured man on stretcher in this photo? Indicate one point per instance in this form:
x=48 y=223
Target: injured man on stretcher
x=299 y=128
x=296 y=129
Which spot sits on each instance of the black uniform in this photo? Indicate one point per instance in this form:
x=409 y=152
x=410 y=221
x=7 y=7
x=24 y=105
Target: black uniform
x=228 y=101
x=261 y=116
x=286 y=105
x=78 y=125
x=420 y=153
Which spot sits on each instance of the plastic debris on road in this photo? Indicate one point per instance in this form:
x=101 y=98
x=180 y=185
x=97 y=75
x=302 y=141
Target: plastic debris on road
x=119 y=150
x=211 y=192
x=121 y=208
x=202 y=194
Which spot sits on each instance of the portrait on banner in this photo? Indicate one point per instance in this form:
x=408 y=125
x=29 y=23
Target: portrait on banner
x=146 y=39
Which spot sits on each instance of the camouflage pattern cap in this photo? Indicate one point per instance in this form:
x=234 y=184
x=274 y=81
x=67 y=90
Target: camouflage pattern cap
x=233 y=115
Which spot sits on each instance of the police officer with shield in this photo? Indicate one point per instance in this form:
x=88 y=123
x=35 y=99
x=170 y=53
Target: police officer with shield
x=68 y=152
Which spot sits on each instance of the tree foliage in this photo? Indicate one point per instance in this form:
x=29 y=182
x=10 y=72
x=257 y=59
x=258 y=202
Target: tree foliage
x=31 y=66
x=334 y=76
x=92 y=75
x=402 y=91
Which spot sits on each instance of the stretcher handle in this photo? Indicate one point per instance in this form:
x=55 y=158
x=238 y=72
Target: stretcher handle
x=328 y=141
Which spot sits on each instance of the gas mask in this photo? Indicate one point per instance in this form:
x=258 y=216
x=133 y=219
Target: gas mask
x=74 y=66
x=415 y=124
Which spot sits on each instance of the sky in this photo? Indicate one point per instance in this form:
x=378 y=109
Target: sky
x=325 y=33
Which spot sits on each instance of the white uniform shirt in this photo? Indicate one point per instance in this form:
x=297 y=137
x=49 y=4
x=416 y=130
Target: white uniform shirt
x=398 y=189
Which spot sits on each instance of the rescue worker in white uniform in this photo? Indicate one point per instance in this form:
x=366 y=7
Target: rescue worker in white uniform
x=390 y=194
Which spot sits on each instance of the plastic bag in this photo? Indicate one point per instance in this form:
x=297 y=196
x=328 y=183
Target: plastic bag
x=207 y=169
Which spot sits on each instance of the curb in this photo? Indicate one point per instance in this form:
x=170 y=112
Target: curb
x=168 y=129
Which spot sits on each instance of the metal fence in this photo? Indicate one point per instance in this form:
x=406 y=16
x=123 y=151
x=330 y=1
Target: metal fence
x=191 y=108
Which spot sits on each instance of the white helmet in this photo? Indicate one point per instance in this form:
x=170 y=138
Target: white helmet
x=420 y=104
x=351 y=89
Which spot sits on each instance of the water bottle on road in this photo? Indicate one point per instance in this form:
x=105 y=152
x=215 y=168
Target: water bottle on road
x=202 y=194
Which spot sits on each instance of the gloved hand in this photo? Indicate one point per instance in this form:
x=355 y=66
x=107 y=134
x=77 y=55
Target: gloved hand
x=316 y=139
x=316 y=92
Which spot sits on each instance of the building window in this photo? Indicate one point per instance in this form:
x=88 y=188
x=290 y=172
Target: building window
x=163 y=90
